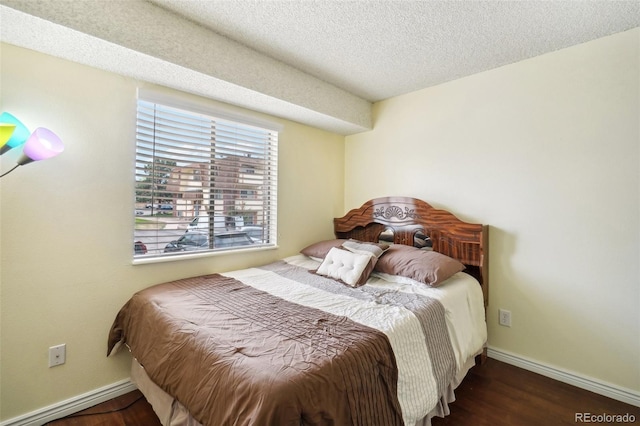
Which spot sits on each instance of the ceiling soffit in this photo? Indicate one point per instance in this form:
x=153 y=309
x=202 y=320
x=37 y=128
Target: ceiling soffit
x=168 y=50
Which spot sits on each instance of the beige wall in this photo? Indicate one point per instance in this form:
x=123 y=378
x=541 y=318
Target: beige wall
x=66 y=224
x=545 y=151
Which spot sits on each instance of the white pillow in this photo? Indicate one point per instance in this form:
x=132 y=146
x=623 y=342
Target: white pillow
x=350 y=268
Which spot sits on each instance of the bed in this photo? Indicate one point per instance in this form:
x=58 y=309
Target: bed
x=376 y=326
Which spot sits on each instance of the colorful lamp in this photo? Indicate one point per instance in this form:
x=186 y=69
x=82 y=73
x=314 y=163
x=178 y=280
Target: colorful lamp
x=39 y=145
x=6 y=130
x=19 y=135
x=42 y=144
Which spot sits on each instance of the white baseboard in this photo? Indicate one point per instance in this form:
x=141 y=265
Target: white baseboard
x=72 y=405
x=609 y=390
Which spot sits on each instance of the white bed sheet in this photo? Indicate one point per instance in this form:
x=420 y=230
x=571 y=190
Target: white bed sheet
x=462 y=299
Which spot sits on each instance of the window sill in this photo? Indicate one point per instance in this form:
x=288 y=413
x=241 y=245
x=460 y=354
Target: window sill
x=197 y=255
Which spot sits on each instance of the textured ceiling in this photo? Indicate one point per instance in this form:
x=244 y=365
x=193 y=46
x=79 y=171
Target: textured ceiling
x=319 y=62
x=377 y=49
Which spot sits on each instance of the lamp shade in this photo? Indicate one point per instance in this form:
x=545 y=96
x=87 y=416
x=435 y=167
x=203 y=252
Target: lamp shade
x=42 y=144
x=18 y=137
x=6 y=130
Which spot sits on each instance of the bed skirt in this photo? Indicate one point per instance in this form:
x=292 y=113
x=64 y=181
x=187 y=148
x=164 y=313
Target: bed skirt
x=171 y=412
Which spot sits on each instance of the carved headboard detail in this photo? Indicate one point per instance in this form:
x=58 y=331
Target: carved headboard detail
x=408 y=218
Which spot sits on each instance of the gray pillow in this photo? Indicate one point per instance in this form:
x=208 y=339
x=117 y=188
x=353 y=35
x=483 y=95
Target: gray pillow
x=425 y=266
x=320 y=249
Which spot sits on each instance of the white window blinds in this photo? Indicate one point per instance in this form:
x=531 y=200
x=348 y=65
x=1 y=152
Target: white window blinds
x=202 y=183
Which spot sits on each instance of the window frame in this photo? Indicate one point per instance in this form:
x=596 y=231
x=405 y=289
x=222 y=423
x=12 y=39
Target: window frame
x=217 y=115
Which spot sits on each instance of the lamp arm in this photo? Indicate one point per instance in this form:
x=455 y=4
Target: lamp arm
x=14 y=167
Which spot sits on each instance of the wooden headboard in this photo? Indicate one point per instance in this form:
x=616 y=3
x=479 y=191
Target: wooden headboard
x=409 y=219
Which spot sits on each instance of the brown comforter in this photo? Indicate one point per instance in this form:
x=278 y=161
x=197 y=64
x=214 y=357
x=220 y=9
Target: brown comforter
x=235 y=355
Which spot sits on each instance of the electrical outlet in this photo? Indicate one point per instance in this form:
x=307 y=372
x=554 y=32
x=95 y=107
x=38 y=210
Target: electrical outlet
x=57 y=355
x=504 y=317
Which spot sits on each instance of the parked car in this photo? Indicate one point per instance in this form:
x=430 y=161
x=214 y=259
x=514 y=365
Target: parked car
x=159 y=206
x=220 y=223
x=256 y=233
x=197 y=240
x=188 y=242
x=139 y=248
x=232 y=239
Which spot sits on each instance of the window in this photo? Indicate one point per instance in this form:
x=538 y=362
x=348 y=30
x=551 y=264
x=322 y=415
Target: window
x=202 y=183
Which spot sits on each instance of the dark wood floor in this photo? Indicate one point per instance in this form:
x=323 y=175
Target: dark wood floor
x=499 y=394
x=130 y=409
x=494 y=394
